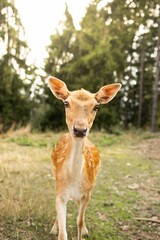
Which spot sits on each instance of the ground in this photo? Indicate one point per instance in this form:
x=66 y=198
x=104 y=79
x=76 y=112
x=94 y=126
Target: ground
x=125 y=203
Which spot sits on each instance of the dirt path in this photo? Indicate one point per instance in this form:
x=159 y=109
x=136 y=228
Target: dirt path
x=150 y=148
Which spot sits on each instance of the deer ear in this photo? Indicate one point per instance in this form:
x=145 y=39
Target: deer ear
x=58 y=88
x=107 y=93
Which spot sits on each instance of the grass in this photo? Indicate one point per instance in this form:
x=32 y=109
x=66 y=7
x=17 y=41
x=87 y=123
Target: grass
x=127 y=187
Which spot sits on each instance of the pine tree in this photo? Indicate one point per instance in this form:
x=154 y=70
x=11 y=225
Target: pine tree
x=14 y=90
x=156 y=81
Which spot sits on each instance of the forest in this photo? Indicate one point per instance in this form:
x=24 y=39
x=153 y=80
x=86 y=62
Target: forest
x=117 y=42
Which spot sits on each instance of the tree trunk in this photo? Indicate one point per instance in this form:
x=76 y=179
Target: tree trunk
x=155 y=83
x=141 y=84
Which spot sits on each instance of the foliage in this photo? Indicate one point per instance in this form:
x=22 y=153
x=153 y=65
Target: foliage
x=116 y=42
x=89 y=60
x=15 y=79
x=25 y=141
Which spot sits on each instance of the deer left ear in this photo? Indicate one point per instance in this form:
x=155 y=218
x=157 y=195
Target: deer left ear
x=58 y=88
x=107 y=93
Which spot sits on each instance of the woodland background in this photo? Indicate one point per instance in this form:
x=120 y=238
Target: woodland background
x=117 y=43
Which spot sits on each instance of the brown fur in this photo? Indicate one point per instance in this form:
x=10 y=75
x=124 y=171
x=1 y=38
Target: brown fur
x=62 y=151
x=75 y=159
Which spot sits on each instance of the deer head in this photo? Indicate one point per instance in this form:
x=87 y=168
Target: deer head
x=81 y=106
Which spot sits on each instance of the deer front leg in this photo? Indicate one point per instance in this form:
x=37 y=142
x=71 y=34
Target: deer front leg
x=61 y=205
x=82 y=230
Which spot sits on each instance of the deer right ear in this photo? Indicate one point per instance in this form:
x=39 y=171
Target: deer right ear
x=107 y=93
x=58 y=88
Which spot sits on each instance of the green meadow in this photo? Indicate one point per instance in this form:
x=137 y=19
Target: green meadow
x=125 y=202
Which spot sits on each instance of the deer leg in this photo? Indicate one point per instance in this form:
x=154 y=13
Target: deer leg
x=61 y=205
x=54 y=230
x=82 y=230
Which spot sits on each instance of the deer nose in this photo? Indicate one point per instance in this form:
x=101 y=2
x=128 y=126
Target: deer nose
x=79 y=132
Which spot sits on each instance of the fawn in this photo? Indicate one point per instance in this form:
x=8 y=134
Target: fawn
x=75 y=159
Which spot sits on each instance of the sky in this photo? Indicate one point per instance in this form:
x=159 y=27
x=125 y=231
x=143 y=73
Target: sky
x=40 y=18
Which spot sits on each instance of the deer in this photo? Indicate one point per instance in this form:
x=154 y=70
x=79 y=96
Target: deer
x=75 y=159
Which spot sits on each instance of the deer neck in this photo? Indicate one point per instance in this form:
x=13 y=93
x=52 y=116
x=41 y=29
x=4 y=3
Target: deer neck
x=76 y=160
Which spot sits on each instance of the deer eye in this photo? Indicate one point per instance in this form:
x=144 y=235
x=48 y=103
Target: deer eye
x=66 y=104
x=96 y=107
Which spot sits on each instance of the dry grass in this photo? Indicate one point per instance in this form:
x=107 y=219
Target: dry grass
x=126 y=188
x=26 y=183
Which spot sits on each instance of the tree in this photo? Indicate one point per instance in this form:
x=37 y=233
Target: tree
x=15 y=79
x=133 y=27
x=59 y=55
x=118 y=42
x=141 y=82
x=156 y=78
x=82 y=58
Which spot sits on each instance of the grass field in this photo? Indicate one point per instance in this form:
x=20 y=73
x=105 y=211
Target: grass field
x=127 y=188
